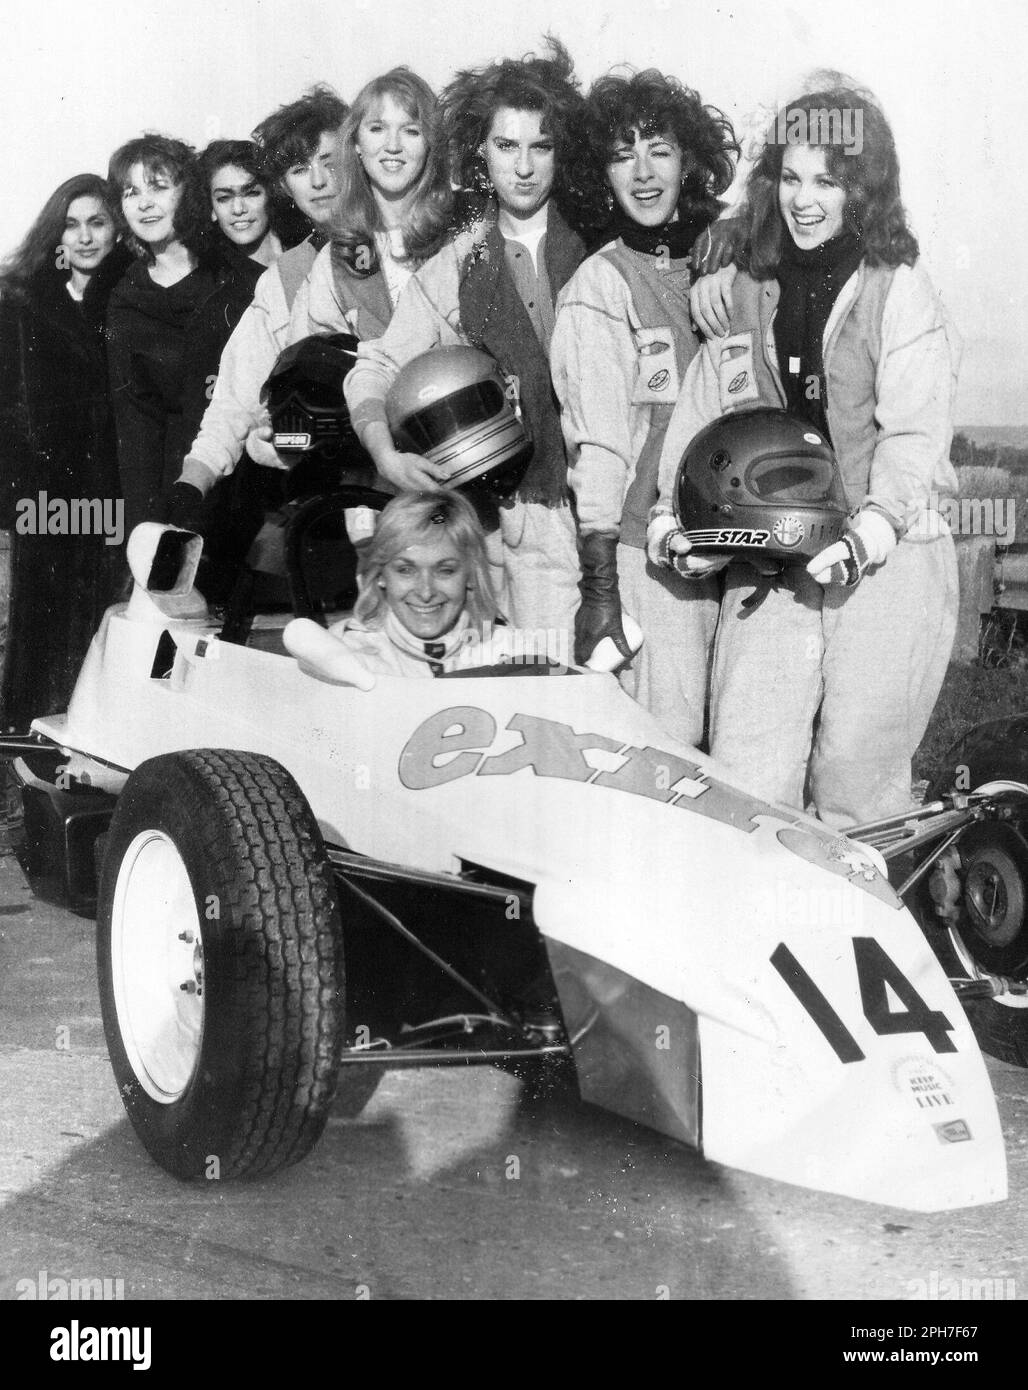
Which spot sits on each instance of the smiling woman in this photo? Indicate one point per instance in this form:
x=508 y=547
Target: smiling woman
x=240 y=206
x=170 y=316
x=657 y=158
x=394 y=207
x=425 y=596
x=510 y=128
x=57 y=439
x=824 y=680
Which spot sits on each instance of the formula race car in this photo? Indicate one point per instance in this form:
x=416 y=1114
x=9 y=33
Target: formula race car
x=305 y=874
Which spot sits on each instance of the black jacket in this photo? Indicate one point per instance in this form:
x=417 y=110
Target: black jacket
x=56 y=436
x=164 y=346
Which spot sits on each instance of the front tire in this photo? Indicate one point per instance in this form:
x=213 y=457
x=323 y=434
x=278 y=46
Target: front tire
x=219 y=951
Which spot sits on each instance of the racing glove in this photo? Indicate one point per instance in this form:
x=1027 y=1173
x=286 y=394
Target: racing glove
x=869 y=541
x=182 y=506
x=599 y=614
x=668 y=548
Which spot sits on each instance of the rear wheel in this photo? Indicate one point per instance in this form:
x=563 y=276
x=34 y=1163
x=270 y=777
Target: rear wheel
x=219 y=950
x=982 y=891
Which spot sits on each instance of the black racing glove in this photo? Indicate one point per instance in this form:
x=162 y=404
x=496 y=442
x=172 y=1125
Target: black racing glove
x=599 y=615
x=719 y=245
x=182 y=505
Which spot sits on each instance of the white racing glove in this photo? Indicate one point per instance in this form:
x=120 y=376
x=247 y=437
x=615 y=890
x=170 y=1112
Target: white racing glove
x=668 y=547
x=868 y=541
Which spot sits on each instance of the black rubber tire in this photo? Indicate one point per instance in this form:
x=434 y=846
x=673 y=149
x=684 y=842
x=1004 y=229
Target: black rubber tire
x=273 y=1016
x=1001 y=1030
x=1001 y=853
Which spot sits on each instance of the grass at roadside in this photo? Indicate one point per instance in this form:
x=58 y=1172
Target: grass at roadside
x=970 y=695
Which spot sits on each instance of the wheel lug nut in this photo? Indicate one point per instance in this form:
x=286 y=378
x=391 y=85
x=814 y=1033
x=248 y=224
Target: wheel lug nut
x=186 y=936
x=189 y=986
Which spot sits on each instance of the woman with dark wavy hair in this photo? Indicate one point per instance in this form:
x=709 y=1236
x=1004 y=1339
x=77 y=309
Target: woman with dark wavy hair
x=545 y=86
x=241 y=206
x=862 y=163
x=170 y=316
x=823 y=691
x=394 y=212
x=57 y=438
x=511 y=128
x=657 y=160
x=162 y=203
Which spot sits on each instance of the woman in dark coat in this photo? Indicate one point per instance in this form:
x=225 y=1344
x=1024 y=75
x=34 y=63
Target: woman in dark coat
x=57 y=439
x=169 y=318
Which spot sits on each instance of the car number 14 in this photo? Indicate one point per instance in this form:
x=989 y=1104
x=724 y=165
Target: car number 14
x=875 y=970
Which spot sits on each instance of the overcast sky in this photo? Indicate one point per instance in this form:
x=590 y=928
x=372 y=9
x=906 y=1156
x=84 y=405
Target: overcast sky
x=78 y=79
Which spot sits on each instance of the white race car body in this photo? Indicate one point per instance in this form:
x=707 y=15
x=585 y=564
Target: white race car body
x=692 y=930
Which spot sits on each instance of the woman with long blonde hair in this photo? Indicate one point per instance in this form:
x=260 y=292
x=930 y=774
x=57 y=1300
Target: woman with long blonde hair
x=394 y=207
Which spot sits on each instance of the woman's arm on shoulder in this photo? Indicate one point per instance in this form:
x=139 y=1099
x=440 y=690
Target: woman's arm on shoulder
x=710 y=301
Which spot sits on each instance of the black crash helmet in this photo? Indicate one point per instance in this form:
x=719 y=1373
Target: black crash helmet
x=304 y=397
x=761 y=483
x=453 y=405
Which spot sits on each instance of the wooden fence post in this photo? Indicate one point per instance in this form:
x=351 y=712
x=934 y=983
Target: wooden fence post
x=976 y=563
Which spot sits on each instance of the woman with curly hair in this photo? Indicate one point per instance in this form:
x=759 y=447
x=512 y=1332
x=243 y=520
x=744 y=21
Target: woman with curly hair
x=823 y=691
x=394 y=209
x=620 y=348
x=241 y=207
x=58 y=439
x=510 y=128
x=169 y=317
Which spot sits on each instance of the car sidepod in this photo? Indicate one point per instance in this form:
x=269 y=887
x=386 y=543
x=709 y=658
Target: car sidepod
x=693 y=932
x=688 y=923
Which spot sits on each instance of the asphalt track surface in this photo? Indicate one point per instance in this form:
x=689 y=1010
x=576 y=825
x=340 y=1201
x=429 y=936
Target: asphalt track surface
x=451 y=1185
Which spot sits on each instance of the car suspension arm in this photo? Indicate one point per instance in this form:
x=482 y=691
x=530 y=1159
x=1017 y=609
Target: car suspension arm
x=437 y=960
x=897 y=835
x=23 y=745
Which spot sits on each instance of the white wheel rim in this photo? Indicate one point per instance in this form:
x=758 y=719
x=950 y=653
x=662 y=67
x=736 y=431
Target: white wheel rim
x=157 y=966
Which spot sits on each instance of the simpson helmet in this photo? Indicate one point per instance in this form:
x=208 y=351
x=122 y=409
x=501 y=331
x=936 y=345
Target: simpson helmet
x=452 y=405
x=760 y=483
x=304 y=396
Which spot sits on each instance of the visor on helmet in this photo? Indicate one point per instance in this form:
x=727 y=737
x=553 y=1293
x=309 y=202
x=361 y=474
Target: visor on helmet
x=760 y=482
x=789 y=479
x=451 y=405
x=442 y=420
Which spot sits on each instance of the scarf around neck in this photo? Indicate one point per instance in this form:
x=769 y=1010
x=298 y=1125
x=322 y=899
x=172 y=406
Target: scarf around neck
x=810 y=281
x=672 y=239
